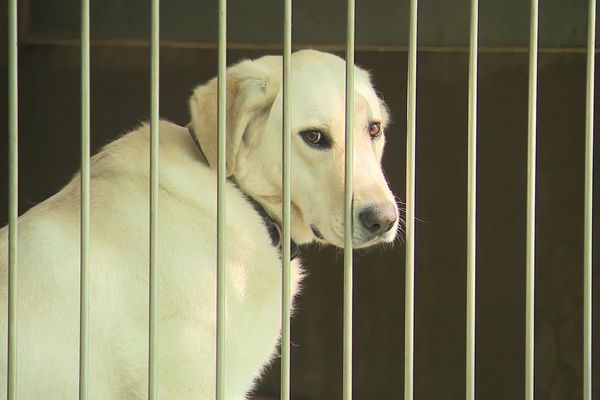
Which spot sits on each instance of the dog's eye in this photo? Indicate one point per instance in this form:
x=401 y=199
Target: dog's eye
x=375 y=129
x=315 y=138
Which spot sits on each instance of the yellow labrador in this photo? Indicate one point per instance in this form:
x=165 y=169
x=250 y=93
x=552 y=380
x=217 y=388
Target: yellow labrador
x=48 y=271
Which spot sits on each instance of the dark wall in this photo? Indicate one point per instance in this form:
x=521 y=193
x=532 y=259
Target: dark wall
x=49 y=155
x=378 y=22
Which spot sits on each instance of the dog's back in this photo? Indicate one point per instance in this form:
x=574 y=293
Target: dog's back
x=48 y=281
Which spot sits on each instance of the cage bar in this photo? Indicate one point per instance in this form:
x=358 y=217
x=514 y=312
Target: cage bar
x=411 y=121
x=589 y=182
x=472 y=201
x=286 y=228
x=531 y=178
x=221 y=217
x=154 y=142
x=13 y=182
x=85 y=203
x=348 y=188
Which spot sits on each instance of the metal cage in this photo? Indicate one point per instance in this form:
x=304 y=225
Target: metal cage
x=411 y=188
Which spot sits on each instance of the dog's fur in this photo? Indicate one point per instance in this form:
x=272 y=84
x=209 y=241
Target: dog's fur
x=48 y=242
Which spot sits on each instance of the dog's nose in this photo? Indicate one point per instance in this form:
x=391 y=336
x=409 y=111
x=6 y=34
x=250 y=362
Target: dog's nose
x=378 y=218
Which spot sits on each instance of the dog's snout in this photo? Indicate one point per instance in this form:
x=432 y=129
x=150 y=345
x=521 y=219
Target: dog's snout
x=378 y=218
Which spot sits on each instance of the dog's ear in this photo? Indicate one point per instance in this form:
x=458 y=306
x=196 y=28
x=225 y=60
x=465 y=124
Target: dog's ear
x=251 y=89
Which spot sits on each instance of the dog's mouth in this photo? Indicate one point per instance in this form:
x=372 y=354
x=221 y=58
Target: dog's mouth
x=357 y=242
x=317 y=232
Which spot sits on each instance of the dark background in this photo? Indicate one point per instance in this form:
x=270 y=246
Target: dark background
x=49 y=107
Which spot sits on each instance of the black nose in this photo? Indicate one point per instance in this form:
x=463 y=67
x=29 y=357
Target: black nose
x=378 y=218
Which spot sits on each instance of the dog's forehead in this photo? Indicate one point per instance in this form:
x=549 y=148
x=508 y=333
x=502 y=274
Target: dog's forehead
x=322 y=96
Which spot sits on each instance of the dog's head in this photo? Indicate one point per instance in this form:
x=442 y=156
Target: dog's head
x=254 y=145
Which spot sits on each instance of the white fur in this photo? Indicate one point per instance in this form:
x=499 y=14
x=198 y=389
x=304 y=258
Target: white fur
x=48 y=242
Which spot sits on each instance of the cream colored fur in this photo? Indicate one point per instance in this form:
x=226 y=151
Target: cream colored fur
x=48 y=270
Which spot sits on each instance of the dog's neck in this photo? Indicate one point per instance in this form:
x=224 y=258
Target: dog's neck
x=273 y=227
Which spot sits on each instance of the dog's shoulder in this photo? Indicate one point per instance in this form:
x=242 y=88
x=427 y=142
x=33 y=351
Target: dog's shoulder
x=131 y=152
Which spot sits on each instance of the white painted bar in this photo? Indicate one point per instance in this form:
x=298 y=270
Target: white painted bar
x=221 y=217
x=411 y=132
x=85 y=203
x=531 y=181
x=13 y=205
x=348 y=225
x=154 y=144
x=286 y=206
x=588 y=206
x=472 y=201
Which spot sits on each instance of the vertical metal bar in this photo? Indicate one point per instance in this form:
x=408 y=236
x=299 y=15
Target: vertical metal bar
x=472 y=201
x=411 y=122
x=154 y=148
x=85 y=202
x=221 y=217
x=286 y=161
x=348 y=209
x=13 y=181
x=531 y=178
x=588 y=206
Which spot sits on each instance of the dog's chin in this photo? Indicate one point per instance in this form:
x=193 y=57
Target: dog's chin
x=365 y=243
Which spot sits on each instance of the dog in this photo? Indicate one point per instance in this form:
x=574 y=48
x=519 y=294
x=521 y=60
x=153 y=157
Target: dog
x=49 y=252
